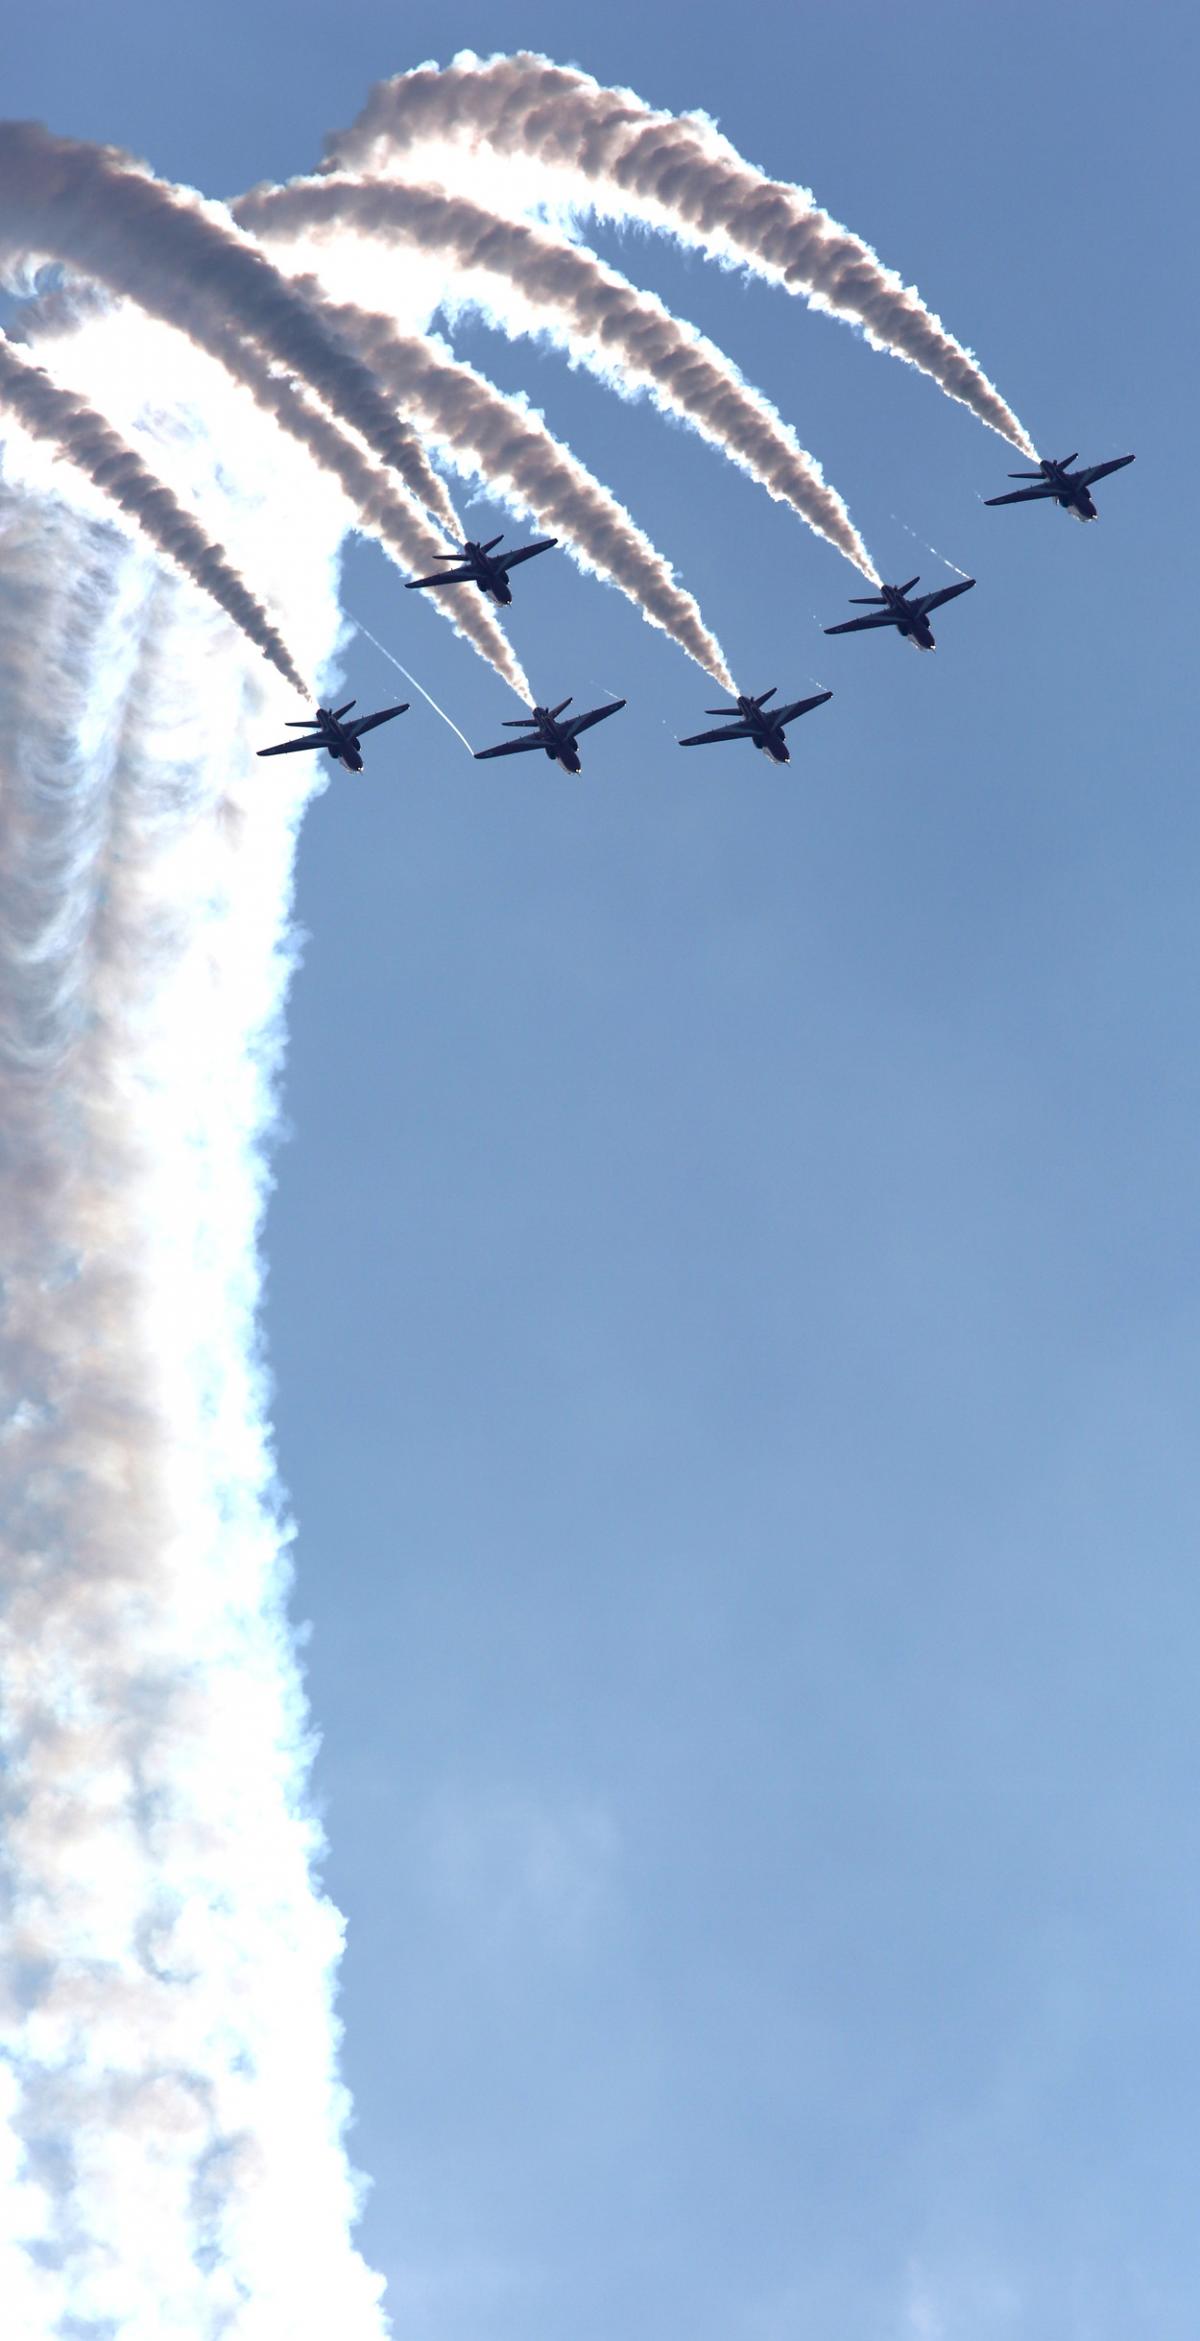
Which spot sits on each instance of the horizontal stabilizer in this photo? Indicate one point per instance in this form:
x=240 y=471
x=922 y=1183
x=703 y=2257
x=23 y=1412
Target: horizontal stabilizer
x=861 y=600
x=338 y=712
x=562 y=703
x=492 y=543
x=520 y=723
x=1027 y=475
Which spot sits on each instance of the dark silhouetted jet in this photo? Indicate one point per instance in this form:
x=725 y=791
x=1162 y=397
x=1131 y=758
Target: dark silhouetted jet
x=483 y=566
x=753 y=720
x=542 y=729
x=327 y=730
x=911 y=618
x=1069 y=488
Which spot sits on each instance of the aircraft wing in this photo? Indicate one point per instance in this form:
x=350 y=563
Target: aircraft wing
x=510 y=747
x=444 y=577
x=583 y=723
x=1100 y=471
x=367 y=723
x=859 y=625
x=292 y=747
x=801 y=706
x=526 y=552
x=728 y=731
x=1023 y=495
x=946 y=593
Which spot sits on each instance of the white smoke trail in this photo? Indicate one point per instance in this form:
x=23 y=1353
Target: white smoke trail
x=510 y=448
x=538 y=283
x=181 y=259
x=96 y=210
x=171 y=2114
x=381 y=508
x=397 y=520
x=49 y=412
x=611 y=153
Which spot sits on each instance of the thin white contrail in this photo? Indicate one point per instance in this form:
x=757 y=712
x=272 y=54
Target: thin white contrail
x=170 y=2114
x=923 y=540
x=49 y=412
x=537 y=282
x=410 y=678
x=509 y=446
x=610 y=152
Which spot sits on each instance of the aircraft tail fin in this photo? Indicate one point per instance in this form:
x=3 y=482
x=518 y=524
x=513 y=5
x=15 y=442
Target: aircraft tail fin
x=338 y=712
x=562 y=703
x=492 y=543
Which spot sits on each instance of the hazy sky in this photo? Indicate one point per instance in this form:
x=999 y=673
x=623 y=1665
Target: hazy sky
x=733 y=1275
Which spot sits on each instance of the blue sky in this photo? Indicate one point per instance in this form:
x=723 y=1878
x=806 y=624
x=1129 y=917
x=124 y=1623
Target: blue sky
x=732 y=1278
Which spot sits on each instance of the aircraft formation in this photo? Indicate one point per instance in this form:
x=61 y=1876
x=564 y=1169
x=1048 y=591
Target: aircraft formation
x=556 y=733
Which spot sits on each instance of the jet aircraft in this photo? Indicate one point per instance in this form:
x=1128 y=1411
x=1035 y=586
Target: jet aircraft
x=1070 y=489
x=543 y=729
x=753 y=720
x=483 y=566
x=910 y=616
x=327 y=730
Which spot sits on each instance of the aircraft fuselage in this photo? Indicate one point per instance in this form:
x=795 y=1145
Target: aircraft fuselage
x=1070 y=495
x=560 y=744
x=340 y=745
x=493 y=581
x=912 y=625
